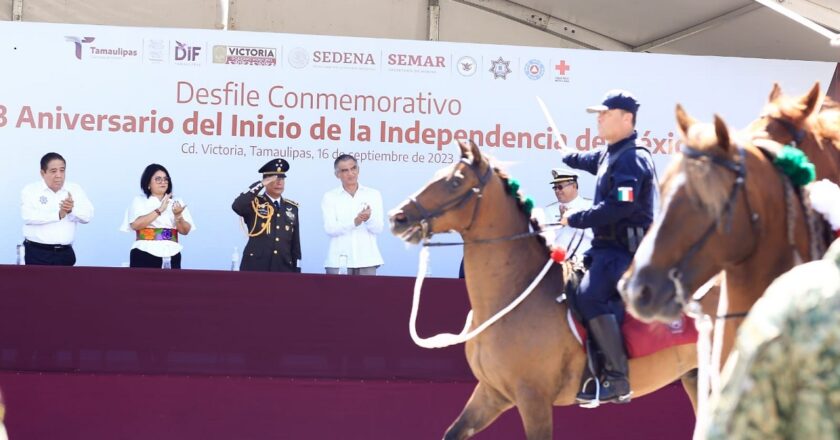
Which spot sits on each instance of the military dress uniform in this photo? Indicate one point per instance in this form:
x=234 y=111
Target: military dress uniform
x=573 y=240
x=622 y=212
x=273 y=226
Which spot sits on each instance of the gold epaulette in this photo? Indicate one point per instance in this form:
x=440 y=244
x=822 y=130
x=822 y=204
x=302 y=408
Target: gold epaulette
x=292 y=202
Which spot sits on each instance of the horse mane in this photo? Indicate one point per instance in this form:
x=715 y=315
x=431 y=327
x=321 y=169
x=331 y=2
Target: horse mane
x=827 y=122
x=707 y=185
x=521 y=203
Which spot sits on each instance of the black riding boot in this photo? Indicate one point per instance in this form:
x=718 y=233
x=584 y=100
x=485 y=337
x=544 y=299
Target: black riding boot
x=615 y=386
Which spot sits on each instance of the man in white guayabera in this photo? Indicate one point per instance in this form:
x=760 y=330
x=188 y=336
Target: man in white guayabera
x=51 y=208
x=352 y=218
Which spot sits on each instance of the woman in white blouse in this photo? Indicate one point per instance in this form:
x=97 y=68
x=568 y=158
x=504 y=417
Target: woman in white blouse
x=157 y=220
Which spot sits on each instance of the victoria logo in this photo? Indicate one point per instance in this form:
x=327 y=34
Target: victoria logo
x=298 y=58
x=467 y=66
x=500 y=68
x=183 y=52
x=256 y=56
x=534 y=69
x=78 y=42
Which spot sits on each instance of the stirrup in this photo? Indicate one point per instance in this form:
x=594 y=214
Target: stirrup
x=593 y=402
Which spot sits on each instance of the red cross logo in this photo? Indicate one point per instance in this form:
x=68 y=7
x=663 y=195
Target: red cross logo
x=562 y=68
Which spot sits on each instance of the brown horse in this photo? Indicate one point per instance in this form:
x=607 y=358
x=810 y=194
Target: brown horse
x=724 y=208
x=786 y=120
x=530 y=358
x=793 y=120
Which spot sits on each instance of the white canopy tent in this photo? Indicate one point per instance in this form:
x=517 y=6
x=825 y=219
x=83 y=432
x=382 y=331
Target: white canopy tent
x=742 y=28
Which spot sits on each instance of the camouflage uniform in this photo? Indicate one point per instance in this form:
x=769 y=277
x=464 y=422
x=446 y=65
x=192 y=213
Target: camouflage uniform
x=783 y=378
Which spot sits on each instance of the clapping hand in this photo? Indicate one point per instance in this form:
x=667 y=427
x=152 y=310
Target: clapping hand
x=164 y=202
x=363 y=215
x=66 y=206
x=178 y=209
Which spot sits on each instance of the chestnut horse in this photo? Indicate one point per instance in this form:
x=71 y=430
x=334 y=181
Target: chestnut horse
x=785 y=120
x=725 y=208
x=530 y=358
x=793 y=120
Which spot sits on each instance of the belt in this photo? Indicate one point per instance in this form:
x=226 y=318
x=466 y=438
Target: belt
x=49 y=247
x=158 y=234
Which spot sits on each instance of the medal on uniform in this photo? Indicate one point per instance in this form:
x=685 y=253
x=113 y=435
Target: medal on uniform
x=290 y=214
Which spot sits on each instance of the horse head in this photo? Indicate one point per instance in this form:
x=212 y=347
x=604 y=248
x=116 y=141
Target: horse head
x=449 y=202
x=705 y=224
x=787 y=119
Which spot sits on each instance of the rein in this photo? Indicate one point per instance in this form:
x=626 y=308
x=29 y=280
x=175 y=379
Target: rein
x=446 y=339
x=739 y=168
x=427 y=216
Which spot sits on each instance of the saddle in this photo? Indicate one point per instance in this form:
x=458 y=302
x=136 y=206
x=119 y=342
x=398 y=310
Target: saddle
x=640 y=338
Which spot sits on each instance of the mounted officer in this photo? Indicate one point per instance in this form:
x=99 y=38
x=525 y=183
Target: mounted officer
x=622 y=212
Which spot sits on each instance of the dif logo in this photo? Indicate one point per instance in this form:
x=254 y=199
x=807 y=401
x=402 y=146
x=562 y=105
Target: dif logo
x=186 y=53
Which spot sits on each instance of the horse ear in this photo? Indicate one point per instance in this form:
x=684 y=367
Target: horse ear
x=722 y=133
x=476 y=153
x=466 y=150
x=809 y=101
x=684 y=121
x=775 y=93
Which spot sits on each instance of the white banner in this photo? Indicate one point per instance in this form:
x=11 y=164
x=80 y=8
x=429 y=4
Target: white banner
x=214 y=106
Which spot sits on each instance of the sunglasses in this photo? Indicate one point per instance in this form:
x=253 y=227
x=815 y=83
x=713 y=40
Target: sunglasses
x=563 y=185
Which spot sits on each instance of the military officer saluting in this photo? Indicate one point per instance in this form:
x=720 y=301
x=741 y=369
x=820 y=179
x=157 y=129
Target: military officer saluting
x=272 y=222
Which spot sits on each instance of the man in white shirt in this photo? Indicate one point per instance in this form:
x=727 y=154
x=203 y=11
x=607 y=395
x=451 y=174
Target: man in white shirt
x=565 y=184
x=352 y=218
x=51 y=208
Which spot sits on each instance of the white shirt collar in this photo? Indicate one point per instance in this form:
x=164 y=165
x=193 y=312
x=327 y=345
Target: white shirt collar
x=44 y=187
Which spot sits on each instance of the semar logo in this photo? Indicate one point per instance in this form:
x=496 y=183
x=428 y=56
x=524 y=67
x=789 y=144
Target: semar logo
x=78 y=42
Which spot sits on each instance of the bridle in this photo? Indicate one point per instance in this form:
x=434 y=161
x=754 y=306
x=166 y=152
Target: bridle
x=739 y=168
x=477 y=191
x=797 y=135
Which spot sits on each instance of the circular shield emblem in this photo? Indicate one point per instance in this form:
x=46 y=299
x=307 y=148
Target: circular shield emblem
x=467 y=66
x=298 y=58
x=534 y=69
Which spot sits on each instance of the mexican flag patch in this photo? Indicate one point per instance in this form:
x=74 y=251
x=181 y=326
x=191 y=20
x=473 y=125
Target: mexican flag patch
x=625 y=194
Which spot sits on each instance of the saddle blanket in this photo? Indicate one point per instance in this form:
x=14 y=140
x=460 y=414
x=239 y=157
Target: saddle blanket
x=642 y=339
